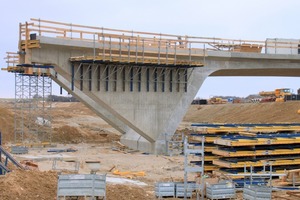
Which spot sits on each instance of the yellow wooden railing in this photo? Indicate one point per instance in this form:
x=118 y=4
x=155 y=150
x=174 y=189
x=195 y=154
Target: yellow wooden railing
x=138 y=38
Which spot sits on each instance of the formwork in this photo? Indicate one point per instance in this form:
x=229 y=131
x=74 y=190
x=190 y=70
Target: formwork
x=235 y=146
x=209 y=147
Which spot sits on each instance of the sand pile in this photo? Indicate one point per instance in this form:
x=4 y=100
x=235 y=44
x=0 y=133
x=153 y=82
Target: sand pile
x=75 y=135
x=272 y=112
x=6 y=123
x=28 y=185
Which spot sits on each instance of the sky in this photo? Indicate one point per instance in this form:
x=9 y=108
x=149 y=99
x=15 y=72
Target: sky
x=234 y=19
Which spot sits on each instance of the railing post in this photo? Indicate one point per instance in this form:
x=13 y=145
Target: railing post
x=103 y=47
x=94 y=45
x=129 y=50
x=40 y=27
x=167 y=53
x=159 y=42
x=71 y=30
x=175 y=54
x=190 y=56
x=266 y=51
x=143 y=51
x=120 y=48
x=136 y=49
x=26 y=36
x=110 y=48
x=275 y=46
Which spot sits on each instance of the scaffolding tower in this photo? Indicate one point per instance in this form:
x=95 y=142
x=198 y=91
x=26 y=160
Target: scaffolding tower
x=33 y=86
x=32 y=108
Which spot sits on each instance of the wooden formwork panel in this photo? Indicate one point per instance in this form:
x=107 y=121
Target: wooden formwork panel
x=257 y=141
x=242 y=153
x=260 y=163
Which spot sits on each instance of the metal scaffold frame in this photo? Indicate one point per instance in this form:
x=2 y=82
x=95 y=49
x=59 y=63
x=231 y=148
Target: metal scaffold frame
x=197 y=152
x=32 y=109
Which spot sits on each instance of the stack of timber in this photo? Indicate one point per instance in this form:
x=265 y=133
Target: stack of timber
x=232 y=147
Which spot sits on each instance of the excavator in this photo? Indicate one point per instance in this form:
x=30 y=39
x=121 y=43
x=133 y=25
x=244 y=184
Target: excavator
x=276 y=95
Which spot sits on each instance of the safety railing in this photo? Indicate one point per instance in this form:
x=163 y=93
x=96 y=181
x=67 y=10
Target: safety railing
x=12 y=58
x=163 y=42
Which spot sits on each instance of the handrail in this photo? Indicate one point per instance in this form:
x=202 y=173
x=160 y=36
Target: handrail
x=83 y=32
x=11 y=58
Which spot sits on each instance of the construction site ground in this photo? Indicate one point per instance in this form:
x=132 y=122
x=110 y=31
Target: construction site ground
x=76 y=127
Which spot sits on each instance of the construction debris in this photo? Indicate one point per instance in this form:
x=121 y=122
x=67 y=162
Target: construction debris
x=118 y=146
x=19 y=150
x=71 y=149
x=29 y=164
x=129 y=174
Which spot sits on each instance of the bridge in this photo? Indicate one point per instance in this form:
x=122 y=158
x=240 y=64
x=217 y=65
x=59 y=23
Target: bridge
x=142 y=83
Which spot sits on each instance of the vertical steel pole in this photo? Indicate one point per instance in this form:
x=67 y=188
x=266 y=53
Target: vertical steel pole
x=185 y=166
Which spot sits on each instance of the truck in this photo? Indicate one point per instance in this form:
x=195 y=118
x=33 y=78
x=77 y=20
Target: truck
x=276 y=95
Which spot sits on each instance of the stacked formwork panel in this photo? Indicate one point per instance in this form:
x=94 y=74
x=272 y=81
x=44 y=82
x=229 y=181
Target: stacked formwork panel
x=236 y=146
x=210 y=132
x=196 y=139
x=281 y=150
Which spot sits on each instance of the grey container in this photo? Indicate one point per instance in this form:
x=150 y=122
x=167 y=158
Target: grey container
x=225 y=190
x=189 y=189
x=19 y=150
x=90 y=186
x=254 y=192
x=165 y=189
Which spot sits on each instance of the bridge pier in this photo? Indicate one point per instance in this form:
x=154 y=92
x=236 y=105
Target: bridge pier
x=141 y=83
x=143 y=101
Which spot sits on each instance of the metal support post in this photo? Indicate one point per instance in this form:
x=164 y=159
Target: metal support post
x=193 y=150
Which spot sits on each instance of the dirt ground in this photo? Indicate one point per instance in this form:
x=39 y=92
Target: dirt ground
x=75 y=126
x=272 y=112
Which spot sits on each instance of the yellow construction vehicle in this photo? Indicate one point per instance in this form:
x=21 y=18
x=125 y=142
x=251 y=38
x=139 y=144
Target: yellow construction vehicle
x=217 y=100
x=276 y=95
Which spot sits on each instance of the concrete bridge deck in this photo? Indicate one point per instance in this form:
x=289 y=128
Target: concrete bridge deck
x=143 y=83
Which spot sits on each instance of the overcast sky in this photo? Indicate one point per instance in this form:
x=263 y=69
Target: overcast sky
x=236 y=19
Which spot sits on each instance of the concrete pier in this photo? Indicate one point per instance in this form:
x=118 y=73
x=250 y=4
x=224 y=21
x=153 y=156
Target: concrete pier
x=141 y=87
